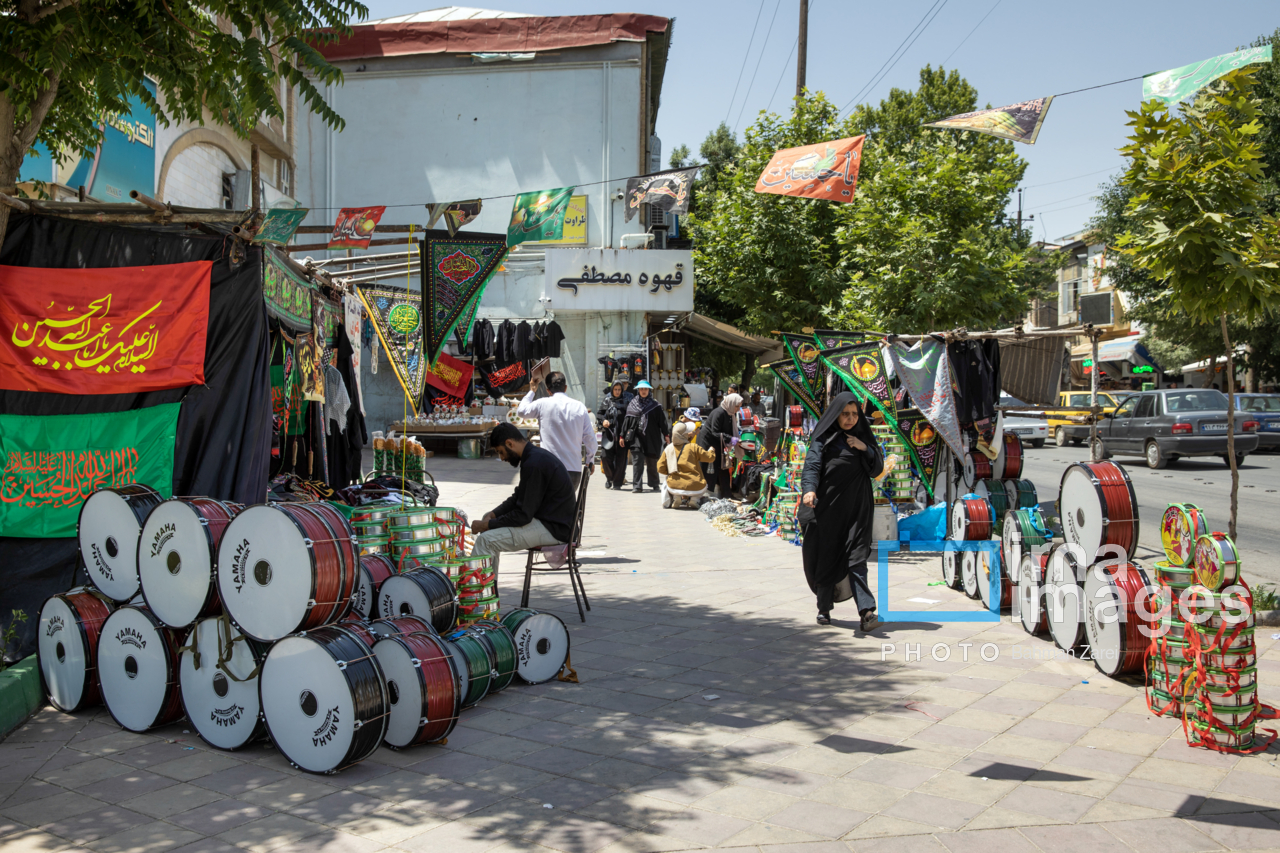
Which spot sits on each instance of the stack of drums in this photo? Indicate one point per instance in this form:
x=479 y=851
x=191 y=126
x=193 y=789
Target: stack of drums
x=896 y=486
x=425 y=533
x=372 y=529
x=1169 y=658
x=972 y=520
x=477 y=584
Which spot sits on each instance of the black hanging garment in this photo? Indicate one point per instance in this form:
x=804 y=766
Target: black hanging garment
x=524 y=339
x=505 y=349
x=482 y=340
x=345 y=445
x=552 y=335
x=503 y=378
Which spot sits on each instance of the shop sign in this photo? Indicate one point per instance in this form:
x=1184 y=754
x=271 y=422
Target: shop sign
x=619 y=280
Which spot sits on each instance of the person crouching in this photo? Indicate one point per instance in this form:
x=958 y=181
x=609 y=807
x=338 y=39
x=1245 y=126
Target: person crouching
x=682 y=463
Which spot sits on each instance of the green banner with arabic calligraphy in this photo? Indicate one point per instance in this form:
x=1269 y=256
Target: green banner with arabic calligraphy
x=52 y=463
x=288 y=297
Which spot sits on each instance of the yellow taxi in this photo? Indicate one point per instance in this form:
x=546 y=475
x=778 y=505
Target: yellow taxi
x=1064 y=430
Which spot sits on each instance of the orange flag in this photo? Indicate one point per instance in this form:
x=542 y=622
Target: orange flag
x=828 y=170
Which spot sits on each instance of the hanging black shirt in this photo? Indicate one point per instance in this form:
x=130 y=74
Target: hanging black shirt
x=505 y=349
x=524 y=334
x=482 y=340
x=553 y=336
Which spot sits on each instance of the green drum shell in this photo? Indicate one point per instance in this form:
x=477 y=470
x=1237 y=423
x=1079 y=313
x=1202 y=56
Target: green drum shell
x=998 y=498
x=434 y=530
x=1245 y=678
x=421 y=547
x=1219 y=696
x=1176 y=577
x=369 y=528
x=1239 y=737
x=1160 y=699
x=409 y=517
x=1226 y=716
x=1243 y=641
x=478 y=679
x=503 y=648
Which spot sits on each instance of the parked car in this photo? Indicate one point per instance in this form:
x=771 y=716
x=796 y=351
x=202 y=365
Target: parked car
x=1265 y=409
x=1063 y=430
x=1162 y=426
x=1031 y=430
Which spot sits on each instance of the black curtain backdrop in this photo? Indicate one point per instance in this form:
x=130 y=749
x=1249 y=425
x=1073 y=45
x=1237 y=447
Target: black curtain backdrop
x=223 y=445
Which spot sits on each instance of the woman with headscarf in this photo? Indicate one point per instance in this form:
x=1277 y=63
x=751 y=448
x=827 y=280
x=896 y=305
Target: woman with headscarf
x=717 y=434
x=682 y=463
x=836 y=509
x=610 y=415
x=644 y=432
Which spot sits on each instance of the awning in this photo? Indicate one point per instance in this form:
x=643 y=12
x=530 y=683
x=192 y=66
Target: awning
x=766 y=349
x=1119 y=350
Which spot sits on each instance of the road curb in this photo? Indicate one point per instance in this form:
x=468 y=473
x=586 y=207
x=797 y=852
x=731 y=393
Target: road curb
x=20 y=693
x=1270 y=618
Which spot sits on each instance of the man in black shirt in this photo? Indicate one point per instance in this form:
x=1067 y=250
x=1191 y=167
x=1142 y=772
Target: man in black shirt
x=541 y=510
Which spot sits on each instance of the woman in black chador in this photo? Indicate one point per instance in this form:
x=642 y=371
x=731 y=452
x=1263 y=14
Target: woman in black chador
x=837 y=507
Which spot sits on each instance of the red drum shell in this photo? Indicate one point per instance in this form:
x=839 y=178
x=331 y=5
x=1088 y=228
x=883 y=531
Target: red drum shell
x=977 y=516
x=217 y=515
x=360 y=628
x=91 y=610
x=440 y=683
x=1118 y=503
x=1010 y=461
x=399 y=626
x=1135 y=592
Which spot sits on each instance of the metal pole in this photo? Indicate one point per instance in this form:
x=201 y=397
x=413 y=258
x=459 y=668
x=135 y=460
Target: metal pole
x=1093 y=399
x=802 y=48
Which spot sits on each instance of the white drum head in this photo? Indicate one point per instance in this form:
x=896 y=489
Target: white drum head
x=108 y=535
x=175 y=563
x=1104 y=626
x=951 y=568
x=1064 y=601
x=542 y=646
x=969 y=573
x=363 y=602
x=957 y=520
x=997 y=464
x=307 y=703
x=981 y=489
x=983 y=569
x=134 y=669
x=408 y=701
x=224 y=711
x=1011 y=489
x=400 y=596
x=265 y=573
x=1030 y=605
x=1082 y=511
x=970 y=474
x=64 y=660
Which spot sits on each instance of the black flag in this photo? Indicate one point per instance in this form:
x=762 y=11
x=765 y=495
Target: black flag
x=667 y=191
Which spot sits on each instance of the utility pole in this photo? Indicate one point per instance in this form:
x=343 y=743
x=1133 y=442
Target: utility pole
x=802 y=48
x=1019 y=209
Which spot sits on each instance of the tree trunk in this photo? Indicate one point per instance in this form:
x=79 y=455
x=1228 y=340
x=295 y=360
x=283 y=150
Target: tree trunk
x=1210 y=371
x=748 y=372
x=1231 y=429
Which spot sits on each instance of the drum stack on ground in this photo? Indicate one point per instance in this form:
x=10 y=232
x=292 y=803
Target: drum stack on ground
x=895 y=486
x=251 y=622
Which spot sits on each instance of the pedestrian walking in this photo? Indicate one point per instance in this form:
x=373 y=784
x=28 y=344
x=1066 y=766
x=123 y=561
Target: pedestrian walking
x=565 y=425
x=610 y=415
x=645 y=431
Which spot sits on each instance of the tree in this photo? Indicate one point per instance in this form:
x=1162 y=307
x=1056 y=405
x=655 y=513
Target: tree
x=69 y=63
x=1199 y=225
x=680 y=158
x=718 y=150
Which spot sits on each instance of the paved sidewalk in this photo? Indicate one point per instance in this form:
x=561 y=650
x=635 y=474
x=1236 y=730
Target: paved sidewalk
x=712 y=712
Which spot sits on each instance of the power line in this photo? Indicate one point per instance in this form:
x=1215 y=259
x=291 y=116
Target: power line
x=971 y=32
x=899 y=53
x=1068 y=198
x=752 y=84
x=745 y=56
x=787 y=64
x=1068 y=207
x=1072 y=178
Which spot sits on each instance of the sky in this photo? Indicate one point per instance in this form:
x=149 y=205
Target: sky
x=1019 y=50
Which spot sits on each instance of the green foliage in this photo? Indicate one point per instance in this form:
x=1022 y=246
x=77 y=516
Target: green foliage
x=680 y=157
x=718 y=150
x=9 y=636
x=67 y=62
x=1265 y=597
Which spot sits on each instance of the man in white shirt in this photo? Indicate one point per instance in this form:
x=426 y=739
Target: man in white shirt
x=565 y=425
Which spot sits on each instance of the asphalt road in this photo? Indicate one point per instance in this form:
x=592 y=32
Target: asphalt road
x=1204 y=482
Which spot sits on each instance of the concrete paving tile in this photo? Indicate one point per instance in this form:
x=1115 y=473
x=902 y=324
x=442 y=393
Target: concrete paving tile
x=1056 y=805
x=990 y=841
x=1017 y=746
x=452 y=800
x=34 y=841
x=454 y=837
x=972 y=789
x=270 y=832
x=567 y=793
x=884 y=826
x=1145 y=723
x=680 y=787
x=1161 y=835
x=821 y=759
x=508 y=779
x=1048 y=730
x=998 y=818
x=290 y=792
x=194 y=765
x=647 y=842
x=901 y=844
x=616 y=773
x=820 y=819
x=954 y=736
x=338 y=808
x=553 y=759
x=1133 y=743
x=219 y=816
x=893 y=773
x=941 y=811
x=700 y=826
x=1101 y=760
x=331 y=842
x=1239 y=832
x=1179 y=750
x=114 y=743
x=1019 y=689
x=1158 y=795
x=784 y=780
x=83 y=773
x=766 y=836
x=577 y=834
x=391 y=825
x=172 y=800
x=236 y=780
x=1004 y=704
x=1108 y=810
x=980 y=720
x=1076 y=715
x=51 y=809
x=398 y=785
x=1187 y=774
x=99 y=823
x=26 y=790
x=631 y=809
x=153 y=837
x=1251 y=785
x=153 y=752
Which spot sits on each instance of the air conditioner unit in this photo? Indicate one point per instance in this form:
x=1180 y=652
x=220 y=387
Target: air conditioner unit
x=1096 y=308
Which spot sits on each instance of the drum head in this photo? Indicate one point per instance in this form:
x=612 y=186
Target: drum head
x=969 y=473
x=64 y=659
x=1104 y=622
x=969 y=573
x=542 y=647
x=365 y=598
x=223 y=711
x=957 y=520
x=1030 y=596
x=951 y=568
x=1011 y=491
x=265 y=573
x=405 y=692
x=134 y=667
x=109 y=529
x=401 y=596
x=175 y=563
x=1082 y=511
x=308 y=704
x=985 y=570
x=1064 y=601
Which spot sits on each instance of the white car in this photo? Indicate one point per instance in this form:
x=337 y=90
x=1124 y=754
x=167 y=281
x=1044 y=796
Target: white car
x=1031 y=430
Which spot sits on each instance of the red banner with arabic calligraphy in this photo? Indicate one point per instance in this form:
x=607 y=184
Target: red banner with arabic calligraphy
x=828 y=170
x=450 y=375
x=354 y=227
x=114 y=330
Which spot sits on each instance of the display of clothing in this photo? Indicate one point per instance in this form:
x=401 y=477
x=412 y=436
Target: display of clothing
x=524 y=341
x=505 y=348
x=504 y=377
x=482 y=340
x=552 y=336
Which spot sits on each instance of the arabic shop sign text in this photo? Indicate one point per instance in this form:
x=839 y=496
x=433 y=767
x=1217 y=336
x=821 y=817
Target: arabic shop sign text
x=619 y=280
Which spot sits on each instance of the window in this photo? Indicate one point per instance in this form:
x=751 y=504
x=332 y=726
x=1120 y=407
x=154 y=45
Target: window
x=1127 y=408
x=1206 y=400
x=1260 y=404
x=1079 y=399
x=1069 y=301
x=1146 y=406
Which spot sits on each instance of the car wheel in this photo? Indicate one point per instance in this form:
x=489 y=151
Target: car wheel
x=1226 y=460
x=1060 y=437
x=1037 y=442
x=1155 y=458
x=1102 y=450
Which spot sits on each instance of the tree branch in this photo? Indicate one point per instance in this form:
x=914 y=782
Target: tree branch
x=53 y=9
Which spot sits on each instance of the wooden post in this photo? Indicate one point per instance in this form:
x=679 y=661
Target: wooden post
x=802 y=48
x=1093 y=399
x=255 y=176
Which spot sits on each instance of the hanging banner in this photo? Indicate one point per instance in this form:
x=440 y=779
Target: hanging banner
x=290 y=299
x=923 y=440
x=450 y=375
x=352 y=314
x=107 y=330
x=397 y=318
x=805 y=355
x=925 y=371
x=278 y=226
x=789 y=375
x=828 y=339
x=454 y=213
x=355 y=226
x=455 y=271
x=505 y=378
x=1017 y=122
x=52 y=463
x=668 y=191
x=538 y=215
x=828 y=170
x=466 y=323
x=862 y=368
x=1177 y=84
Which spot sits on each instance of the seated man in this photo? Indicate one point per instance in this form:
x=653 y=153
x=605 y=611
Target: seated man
x=541 y=510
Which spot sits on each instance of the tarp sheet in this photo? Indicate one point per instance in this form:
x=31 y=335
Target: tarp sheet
x=223 y=443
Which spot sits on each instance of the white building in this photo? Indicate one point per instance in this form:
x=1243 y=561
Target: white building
x=453 y=104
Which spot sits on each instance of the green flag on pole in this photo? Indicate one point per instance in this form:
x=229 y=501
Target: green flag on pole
x=539 y=215
x=1176 y=84
x=52 y=463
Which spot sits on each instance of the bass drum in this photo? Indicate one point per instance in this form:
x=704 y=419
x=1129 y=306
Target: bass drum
x=138 y=664
x=542 y=644
x=976 y=468
x=178 y=558
x=951 y=568
x=502 y=651
x=221 y=696
x=1022 y=494
x=1024 y=533
x=1031 y=604
x=422 y=687
x=324 y=698
x=987 y=566
x=1118 y=608
x=1064 y=596
x=374 y=569
x=108 y=529
x=972 y=518
x=1099 y=508
x=1008 y=462
x=425 y=592
x=969 y=579
x=67 y=646
x=474 y=663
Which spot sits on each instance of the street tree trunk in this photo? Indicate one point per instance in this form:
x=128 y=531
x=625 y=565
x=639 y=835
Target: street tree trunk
x=1231 y=429
x=16 y=138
